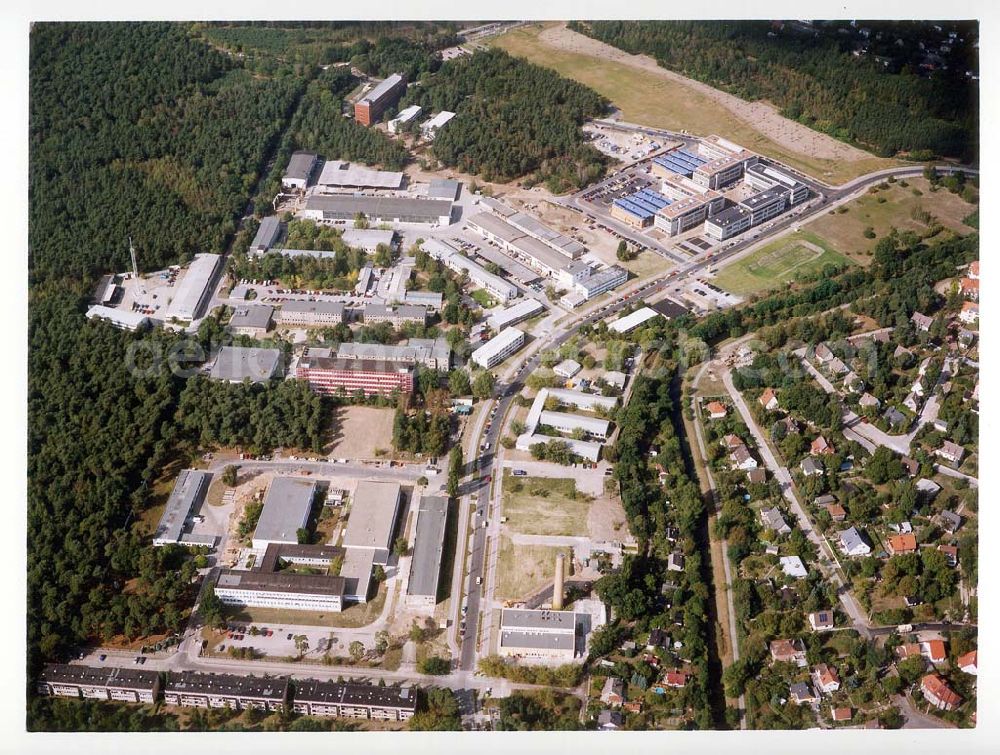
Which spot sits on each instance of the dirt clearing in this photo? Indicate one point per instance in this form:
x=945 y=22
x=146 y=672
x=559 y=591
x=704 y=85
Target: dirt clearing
x=358 y=431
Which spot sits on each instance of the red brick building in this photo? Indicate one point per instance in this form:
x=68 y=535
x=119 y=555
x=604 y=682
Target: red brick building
x=369 y=108
x=331 y=375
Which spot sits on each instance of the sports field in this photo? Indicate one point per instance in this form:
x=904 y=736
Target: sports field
x=667 y=103
x=780 y=262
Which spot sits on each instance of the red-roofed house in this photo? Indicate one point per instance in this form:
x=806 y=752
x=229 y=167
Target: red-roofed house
x=938 y=693
x=788 y=651
x=974 y=270
x=909 y=650
x=841 y=714
x=969 y=313
x=675 y=679
x=969 y=663
x=934 y=651
x=716 y=409
x=769 y=399
x=820 y=447
x=969 y=288
x=836 y=511
x=826 y=678
x=950 y=553
x=902 y=544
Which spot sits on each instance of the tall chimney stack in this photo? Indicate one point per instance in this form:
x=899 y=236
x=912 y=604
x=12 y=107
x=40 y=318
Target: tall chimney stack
x=557 y=588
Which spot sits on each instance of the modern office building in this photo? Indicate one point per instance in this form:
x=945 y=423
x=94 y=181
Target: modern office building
x=286 y=511
x=195 y=288
x=300 y=168
x=498 y=348
x=234 y=364
x=342 y=207
x=385 y=94
x=725 y=162
x=332 y=376
x=538 y=634
x=353 y=700
x=503 y=318
x=765 y=205
x=194 y=689
x=599 y=282
x=283 y=589
x=120 y=318
x=638 y=209
x=728 y=223
x=251 y=319
x=762 y=177
x=428 y=551
x=339 y=174
x=188 y=494
x=311 y=313
x=397 y=316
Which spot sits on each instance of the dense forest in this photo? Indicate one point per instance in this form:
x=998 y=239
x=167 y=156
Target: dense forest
x=139 y=111
x=513 y=119
x=814 y=79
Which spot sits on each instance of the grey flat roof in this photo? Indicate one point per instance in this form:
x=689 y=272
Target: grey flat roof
x=313 y=307
x=367 y=238
x=500 y=208
x=282 y=581
x=541 y=251
x=189 y=490
x=351 y=693
x=352 y=365
x=512 y=619
x=356 y=570
x=763 y=198
x=252 y=316
x=292 y=551
x=532 y=225
x=424 y=299
x=443 y=188
x=373 y=515
x=499 y=228
x=406 y=311
x=186 y=300
x=267 y=233
x=507 y=263
x=286 y=508
x=417 y=349
x=382 y=88
x=518 y=639
x=300 y=165
x=428 y=546
x=193 y=682
x=381 y=207
x=237 y=363
x=341 y=173
x=729 y=216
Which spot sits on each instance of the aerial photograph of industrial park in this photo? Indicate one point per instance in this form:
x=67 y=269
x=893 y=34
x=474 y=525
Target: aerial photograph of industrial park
x=490 y=376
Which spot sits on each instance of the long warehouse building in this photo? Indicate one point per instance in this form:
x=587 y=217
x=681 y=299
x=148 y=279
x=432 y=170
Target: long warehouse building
x=428 y=551
x=454 y=260
x=379 y=209
x=195 y=288
x=286 y=510
x=498 y=348
x=188 y=494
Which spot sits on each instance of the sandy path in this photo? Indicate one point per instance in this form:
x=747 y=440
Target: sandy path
x=758 y=115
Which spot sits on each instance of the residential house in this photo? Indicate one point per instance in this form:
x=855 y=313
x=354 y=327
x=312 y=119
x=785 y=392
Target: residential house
x=902 y=351
x=937 y=692
x=899 y=544
x=973 y=270
x=716 y=409
x=741 y=459
x=793 y=567
x=950 y=553
x=927 y=488
x=969 y=663
x=821 y=620
x=658 y=638
x=911 y=466
x=854 y=543
x=934 y=651
x=909 y=650
x=788 y=651
x=632 y=706
x=836 y=512
x=758 y=475
x=823 y=500
x=913 y=402
x=867 y=401
x=820 y=447
x=826 y=679
x=610 y=720
x=841 y=714
x=773 y=520
x=801 y=693
x=823 y=353
x=896 y=418
x=613 y=692
x=769 y=399
x=675 y=562
x=853 y=382
x=811 y=467
x=675 y=679
x=969 y=313
x=732 y=442
x=950 y=521
x=923 y=322
x=837 y=367
x=951 y=452
x=791 y=425
x=969 y=288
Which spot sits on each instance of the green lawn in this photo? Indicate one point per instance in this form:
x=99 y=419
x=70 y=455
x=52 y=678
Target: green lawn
x=544 y=506
x=778 y=263
x=483 y=299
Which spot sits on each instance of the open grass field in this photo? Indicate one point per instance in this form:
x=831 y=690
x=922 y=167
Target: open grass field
x=846 y=230
x=664 y=103
x=778 y=263
x=359 y=430
x=544 y=506
x=523 y=569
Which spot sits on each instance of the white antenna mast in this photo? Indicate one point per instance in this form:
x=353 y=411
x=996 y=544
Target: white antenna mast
x=135 y=267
